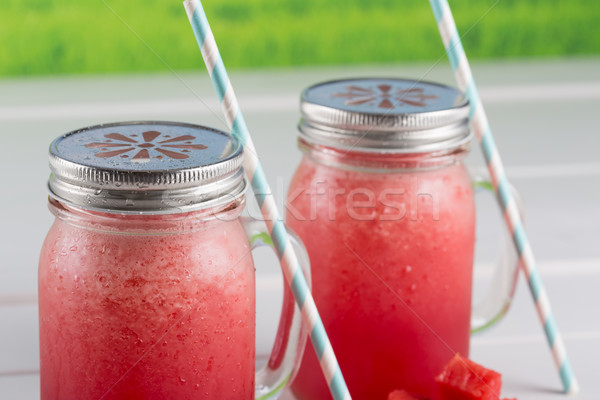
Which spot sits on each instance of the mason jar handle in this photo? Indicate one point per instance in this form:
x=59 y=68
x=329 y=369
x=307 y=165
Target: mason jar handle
x=499 y=295
x=289 y=343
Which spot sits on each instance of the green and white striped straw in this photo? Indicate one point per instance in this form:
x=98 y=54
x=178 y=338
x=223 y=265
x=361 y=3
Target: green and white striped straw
x=264 y=197
x=464 y=78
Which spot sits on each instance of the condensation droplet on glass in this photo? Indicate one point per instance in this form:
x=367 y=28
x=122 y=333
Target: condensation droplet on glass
x=129 y=202
x=97 y=192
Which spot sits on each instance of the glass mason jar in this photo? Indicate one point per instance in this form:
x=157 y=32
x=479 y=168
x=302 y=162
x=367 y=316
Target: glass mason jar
x=385 y=208
x=146 y=278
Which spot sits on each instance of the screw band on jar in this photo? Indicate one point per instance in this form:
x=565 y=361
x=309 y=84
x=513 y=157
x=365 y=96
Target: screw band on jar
x=385 y=115
x=149 y=167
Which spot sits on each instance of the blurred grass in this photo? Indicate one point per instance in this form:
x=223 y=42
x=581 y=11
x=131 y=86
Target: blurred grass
x=40 y=37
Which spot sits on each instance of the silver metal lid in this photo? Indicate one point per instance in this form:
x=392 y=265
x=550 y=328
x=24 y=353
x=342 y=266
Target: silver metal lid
x=146 y=167
x=384 y=115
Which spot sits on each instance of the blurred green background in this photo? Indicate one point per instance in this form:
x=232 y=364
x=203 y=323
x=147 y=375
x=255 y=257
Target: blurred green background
x=43 y=37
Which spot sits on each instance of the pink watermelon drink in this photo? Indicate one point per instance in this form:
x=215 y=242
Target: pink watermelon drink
x=146 y=278
x=394 y=288
x=138 y=308
x=385 y=208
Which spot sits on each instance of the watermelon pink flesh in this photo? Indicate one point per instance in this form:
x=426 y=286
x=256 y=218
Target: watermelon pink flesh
x=400 y=395
x=462 y=379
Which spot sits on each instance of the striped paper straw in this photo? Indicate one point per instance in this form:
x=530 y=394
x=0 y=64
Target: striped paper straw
x=464 y=77
x=266 y=201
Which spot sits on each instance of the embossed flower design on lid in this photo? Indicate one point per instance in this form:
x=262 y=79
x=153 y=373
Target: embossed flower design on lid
x=386 y=96
x=123 y=145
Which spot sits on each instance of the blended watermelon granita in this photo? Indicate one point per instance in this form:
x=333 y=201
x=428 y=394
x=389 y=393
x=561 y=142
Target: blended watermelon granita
x=392 y=282
x=146 y=278
x=145 y=308
x=385 y=208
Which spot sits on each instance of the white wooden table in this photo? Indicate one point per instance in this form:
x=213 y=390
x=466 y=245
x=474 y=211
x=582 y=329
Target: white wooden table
x=545 y=116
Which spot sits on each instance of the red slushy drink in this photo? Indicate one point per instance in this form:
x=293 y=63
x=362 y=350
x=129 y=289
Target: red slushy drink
x=146 y=278
x=385 y=208
x=392 y=283
x=139 y=308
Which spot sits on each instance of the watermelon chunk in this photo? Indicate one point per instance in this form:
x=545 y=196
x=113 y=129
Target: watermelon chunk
x=463 y=379
x=400 y=395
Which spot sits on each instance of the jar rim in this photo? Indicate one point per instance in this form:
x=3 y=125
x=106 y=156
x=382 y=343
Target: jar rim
x=387 y=162
x=144 y=223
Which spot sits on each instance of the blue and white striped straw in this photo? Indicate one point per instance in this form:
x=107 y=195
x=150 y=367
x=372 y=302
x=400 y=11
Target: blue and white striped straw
x=464 y=78
x=266 y=201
